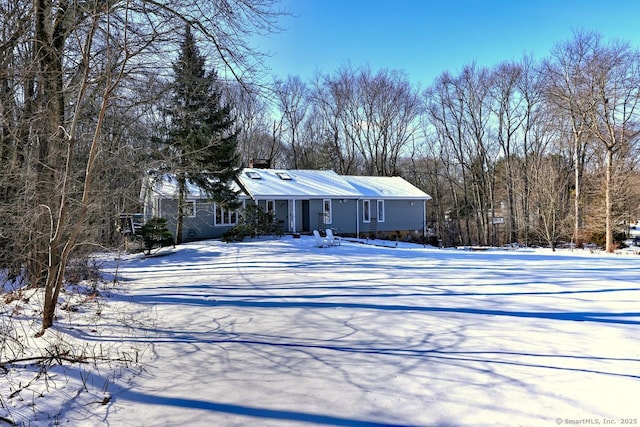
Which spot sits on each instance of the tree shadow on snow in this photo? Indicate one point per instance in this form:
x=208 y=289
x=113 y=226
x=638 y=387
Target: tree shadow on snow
x=623 y=318
x=248 y=411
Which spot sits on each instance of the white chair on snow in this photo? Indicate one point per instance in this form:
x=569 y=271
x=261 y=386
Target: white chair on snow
x=321 y=242
x=333 y=239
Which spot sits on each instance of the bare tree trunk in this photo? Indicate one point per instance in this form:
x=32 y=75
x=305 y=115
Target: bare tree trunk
x=609 y=202
x=182 y=191
x=65 y=234
x=577 y=195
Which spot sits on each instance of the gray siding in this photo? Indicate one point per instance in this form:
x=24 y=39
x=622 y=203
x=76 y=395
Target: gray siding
x=201 y=226
x=315 y=209
x=344 y=216
x=281 y=213
x=400 y=216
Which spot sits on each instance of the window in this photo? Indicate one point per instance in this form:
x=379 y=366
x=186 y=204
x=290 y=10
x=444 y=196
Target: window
x=224 y=216
x=189 y=208
x=366 y=211
x=253 y=175
x=326 y=210
x=284 y=176
x=271 y=206
x=380 y=210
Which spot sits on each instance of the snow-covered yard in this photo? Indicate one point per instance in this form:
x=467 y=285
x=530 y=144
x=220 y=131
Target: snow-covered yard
x=279 y=332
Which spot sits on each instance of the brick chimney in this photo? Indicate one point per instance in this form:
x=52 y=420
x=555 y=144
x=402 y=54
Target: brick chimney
x=260 y=163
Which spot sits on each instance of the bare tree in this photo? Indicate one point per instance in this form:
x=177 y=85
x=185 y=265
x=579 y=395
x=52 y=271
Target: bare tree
x=570 y=87
x=535 y=136
x=615 y=116
x=430 y=169
x=292 y=100
x=330 y=97
x=14 y=31
x=384 y=118
x=255 y=134
x=482 y=150
x=551 y=200
x=445 y=108
x=510 y=108
x=595 y=87
x=459 y=110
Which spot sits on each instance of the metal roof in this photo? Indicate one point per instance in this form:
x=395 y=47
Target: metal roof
x=301 y=184
x=295 y=184
x=386 y=187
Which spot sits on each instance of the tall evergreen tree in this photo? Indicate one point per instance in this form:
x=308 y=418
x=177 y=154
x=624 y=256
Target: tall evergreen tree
x=202 y=135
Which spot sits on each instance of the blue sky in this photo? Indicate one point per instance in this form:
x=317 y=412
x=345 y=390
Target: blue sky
x=424 y=38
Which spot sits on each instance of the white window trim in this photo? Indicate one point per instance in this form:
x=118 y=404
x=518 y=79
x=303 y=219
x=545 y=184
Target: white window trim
x=366 y=211
x=226 y=215
x=380 y=204
x=328 y=215
x=189 y=209
x=273 y=206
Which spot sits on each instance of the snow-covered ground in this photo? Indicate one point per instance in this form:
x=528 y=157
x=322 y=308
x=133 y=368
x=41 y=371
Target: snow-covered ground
x=282 y=333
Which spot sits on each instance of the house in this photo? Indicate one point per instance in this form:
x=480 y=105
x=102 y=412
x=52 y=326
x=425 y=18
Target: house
x=301 y=201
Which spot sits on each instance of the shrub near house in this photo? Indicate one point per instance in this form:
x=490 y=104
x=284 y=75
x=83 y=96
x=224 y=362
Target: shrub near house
x=155 y=234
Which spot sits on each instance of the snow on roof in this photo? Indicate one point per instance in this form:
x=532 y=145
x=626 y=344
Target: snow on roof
x=299 y=183
x=386 y=187
x=166 y=186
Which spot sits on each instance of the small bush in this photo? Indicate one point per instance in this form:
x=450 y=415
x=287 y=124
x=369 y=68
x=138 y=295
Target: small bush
x=155 y=234
x=254 y=222
x=237 y=233
x=83 y=269
x=599 y=238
